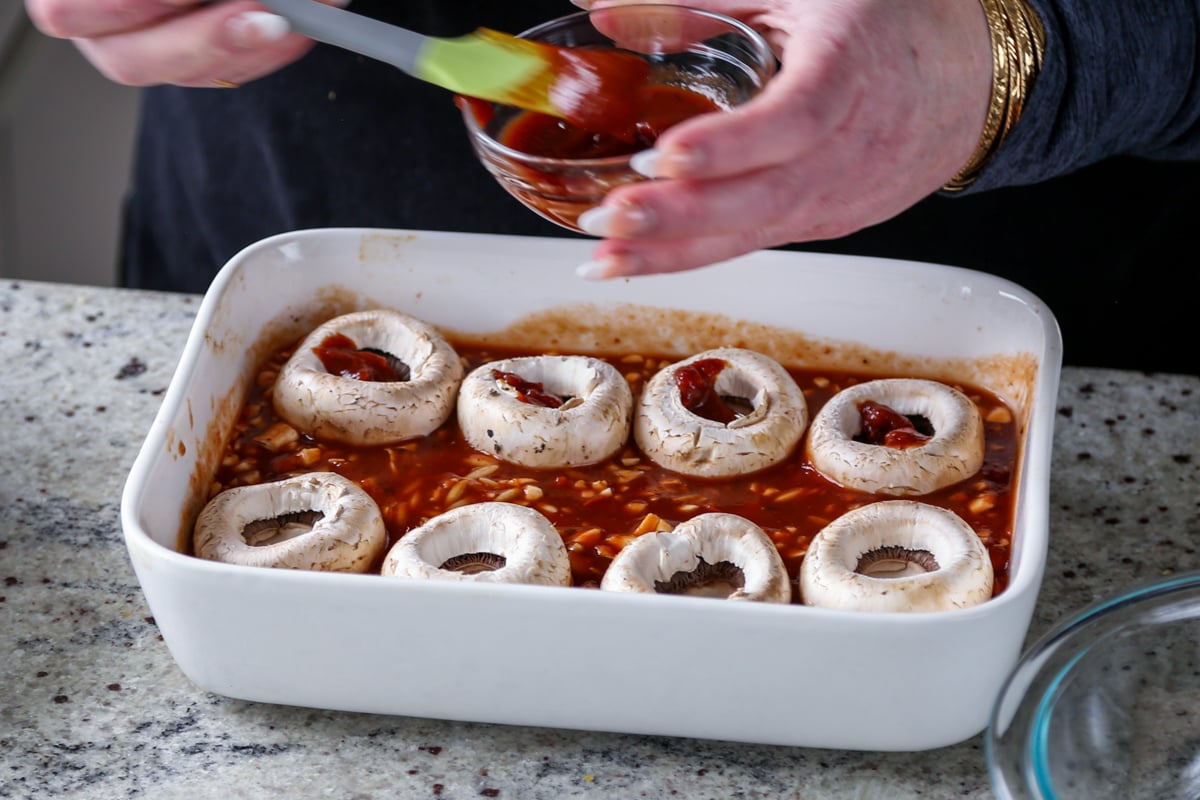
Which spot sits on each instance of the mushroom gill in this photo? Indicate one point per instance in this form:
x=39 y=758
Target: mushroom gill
x=895 y=562
x=401 y=370
x=472 y=563
x=280 y=528
x=721 y=579
x=710 y=555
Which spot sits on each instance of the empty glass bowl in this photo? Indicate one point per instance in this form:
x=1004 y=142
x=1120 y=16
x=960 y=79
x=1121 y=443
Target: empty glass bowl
x=719 y=59
x=1107 y=705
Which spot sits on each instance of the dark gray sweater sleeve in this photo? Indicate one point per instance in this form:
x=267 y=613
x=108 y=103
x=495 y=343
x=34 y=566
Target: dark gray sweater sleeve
x=1119 y=77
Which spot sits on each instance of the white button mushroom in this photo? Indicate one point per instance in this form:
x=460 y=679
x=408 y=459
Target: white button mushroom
x=317 y=521
x=952 y=452
x=896 y=555
x=489 y=542
x=371 y=412
x=720 y=413
x=713 y=555
x=546 y=411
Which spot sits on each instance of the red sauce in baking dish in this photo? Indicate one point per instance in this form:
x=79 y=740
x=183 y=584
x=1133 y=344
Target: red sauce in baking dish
x=341 y=356
x=598 y=508
x=527 y=391
x=883 y=426
x=697 y=385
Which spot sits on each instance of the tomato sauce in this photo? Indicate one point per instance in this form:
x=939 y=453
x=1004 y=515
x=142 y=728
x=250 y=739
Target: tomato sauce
x=527 y=391
x=648 y=112
x=580 y=176
x=341 y=356
x=883 y=426
x=598 y=509
x=697 y=385
x=600 y=89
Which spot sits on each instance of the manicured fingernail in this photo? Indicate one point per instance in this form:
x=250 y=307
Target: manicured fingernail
x=593 y=270
x=256 y=28
x=610 y=266
x=655 y=163
x=597 y=221
x=646 y=162
x=622 y=221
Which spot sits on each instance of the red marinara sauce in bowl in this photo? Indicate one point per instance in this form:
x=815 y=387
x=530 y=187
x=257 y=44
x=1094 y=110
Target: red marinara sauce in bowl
x=698 y=63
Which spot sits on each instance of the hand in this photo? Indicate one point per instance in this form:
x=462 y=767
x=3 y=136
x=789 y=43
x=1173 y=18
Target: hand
x=183 y=42
x=877 y=104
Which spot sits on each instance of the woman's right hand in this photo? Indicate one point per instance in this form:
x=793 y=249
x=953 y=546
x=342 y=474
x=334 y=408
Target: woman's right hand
x=182 y=42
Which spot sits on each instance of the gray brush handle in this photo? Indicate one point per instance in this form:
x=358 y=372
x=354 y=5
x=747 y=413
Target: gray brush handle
x=379 y=40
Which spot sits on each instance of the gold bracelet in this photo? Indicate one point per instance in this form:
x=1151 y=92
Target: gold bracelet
x=1018 y=43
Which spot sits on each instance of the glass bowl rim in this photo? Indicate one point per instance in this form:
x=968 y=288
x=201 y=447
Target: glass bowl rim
x=1086 y=629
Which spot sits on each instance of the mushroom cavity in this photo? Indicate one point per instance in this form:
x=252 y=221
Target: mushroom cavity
x=720 y=413
x=710 y=555
x=370 y=378
x=897 y=436
x=896 y=555
x=488 y=542
x=546 y=411
x=317 y=521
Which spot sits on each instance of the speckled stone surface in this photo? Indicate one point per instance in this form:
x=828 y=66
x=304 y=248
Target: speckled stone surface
x=94 y=706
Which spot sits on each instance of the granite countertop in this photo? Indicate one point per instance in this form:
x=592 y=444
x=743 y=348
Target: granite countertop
x=95 y=707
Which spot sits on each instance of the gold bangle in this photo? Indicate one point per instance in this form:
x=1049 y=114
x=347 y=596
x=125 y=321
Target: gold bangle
x=1018 y=42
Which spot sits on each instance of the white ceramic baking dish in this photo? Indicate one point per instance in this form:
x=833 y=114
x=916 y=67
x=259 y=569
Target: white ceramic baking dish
x=578 y=658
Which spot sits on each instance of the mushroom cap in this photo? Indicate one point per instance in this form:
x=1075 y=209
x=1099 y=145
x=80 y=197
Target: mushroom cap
x=955 y=451
x=675 y=438
x=590 y=427
x=532 y=549
x=361 y=412
x=347 y=534
x=961 y=574
x=712 y=539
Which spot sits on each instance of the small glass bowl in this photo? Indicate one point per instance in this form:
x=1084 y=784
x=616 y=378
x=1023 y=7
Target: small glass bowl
x=725 y=61
x=1107 y=705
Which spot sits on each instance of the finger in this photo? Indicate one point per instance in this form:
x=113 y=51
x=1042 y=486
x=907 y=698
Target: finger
x=797 y=113
x=671 y=209
x=827 y=212
x=656 y=29
x=788 y=187
x=81 y=19
x=615 y=258
x=228 y=42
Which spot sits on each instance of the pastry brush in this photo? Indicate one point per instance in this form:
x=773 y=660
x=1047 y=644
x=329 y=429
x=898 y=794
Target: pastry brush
x=581 y=85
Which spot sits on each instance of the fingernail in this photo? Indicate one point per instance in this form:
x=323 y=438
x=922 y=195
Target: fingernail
x=593 y=270
x=646 y=162
x=654 y=163
x=610 y=266
x=597 y=221
x=585 y=4
x=256 y=28
x=622 y=221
